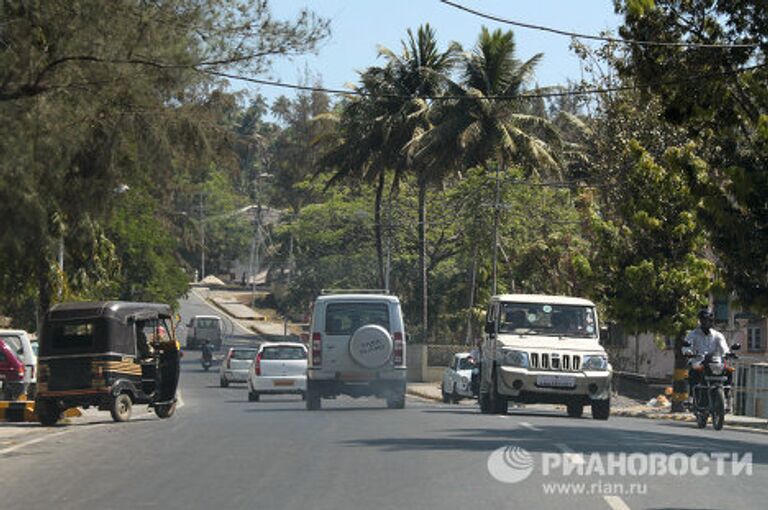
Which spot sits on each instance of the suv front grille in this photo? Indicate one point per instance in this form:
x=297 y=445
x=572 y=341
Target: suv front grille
x=555 y=361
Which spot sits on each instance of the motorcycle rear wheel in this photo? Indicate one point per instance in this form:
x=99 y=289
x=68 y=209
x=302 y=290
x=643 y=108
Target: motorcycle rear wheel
x=701 y=420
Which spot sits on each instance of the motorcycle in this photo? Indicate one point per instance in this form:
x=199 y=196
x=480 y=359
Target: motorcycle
x=206 y=361
x=712 y=394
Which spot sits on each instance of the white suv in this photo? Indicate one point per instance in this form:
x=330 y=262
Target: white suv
x=544 y=349
x=357 y=348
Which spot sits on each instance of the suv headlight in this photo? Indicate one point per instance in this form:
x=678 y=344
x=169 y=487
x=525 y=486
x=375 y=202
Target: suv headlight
x=515 y=359
x=595 y=363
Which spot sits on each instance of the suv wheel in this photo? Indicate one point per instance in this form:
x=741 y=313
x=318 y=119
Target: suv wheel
x=498 y=403
x=396 y=402
x=314 y=402
x=601 y=409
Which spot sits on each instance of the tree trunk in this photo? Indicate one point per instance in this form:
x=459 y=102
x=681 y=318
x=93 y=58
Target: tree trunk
x=496 y=229
x=378 y=230
x=472 y=278
x=423 y=257
x=44 y=288
x=680 y=376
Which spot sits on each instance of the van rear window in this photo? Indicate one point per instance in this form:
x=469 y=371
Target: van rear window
x=207 y=323
x=346 y=318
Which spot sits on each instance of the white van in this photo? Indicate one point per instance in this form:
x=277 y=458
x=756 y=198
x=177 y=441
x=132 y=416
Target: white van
x=356 y=348
x=544 y=349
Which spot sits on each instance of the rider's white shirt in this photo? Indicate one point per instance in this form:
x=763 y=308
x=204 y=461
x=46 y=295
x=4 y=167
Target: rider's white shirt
x=702 y=343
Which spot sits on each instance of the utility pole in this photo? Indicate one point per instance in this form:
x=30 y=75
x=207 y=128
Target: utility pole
x=202 y=238
x=496 y=229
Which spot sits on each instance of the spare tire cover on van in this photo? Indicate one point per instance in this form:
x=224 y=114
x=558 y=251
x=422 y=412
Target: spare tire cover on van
x=370 y=346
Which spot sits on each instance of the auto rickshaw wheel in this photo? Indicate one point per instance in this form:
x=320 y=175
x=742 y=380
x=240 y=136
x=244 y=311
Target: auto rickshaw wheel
x=165 y=410
x=48 y=412
x=121 y=408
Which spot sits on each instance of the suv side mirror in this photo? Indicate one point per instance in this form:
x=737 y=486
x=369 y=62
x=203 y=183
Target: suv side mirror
x=605 y=335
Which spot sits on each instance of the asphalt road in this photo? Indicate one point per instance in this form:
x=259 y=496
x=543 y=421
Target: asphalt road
x=222 y=452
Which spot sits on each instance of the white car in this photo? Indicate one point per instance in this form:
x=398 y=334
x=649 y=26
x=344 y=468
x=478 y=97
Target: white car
x=278 y=368
x=20 y=343
x=357 y=348
x=457 y=378
x=236 y=365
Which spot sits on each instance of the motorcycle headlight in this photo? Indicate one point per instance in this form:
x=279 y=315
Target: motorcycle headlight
x=516 y=359
x=595 y=363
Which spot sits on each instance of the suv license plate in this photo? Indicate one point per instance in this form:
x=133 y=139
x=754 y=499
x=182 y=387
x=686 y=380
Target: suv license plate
x=283 y=382
x=555 y=381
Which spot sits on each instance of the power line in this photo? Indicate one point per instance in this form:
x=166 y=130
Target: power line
x=577 y=35
x=519 y=97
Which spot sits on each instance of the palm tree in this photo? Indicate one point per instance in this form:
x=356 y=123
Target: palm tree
x=489 y=120
x=361 y=146
x=419 y=72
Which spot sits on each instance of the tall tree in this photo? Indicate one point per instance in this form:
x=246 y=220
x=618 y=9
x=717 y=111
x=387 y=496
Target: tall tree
x=420 y=71
x=490 y=122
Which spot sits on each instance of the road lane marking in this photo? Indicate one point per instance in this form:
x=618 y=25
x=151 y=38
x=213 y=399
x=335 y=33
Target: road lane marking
x=528 y=426
x=570 y=455
x=31 y=441
x=616 y=503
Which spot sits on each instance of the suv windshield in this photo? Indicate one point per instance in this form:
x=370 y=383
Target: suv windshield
x=546 y=319
x=346 y=318
x=466 y=364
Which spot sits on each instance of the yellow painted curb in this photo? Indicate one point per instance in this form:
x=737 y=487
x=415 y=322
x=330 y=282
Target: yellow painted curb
x=24 y=410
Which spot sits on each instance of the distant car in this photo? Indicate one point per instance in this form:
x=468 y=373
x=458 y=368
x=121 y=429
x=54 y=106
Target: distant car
x=11 y=373
x=204 y=327
x=457 y=378
x=278 y=368
x=235 y=365
x=26 y=350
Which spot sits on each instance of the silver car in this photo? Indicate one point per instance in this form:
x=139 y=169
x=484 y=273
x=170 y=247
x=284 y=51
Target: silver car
x=235 y=365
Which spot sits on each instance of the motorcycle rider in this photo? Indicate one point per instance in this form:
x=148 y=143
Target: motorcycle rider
x=207 y=351
x=702 y=341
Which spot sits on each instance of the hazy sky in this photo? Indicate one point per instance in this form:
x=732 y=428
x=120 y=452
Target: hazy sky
x=358 y=27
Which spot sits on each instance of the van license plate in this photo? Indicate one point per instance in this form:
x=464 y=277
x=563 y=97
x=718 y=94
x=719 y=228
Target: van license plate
x=555 y=381
x=283 y=382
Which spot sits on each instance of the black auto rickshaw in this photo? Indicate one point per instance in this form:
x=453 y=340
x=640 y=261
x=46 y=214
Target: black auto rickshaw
x=111 y=355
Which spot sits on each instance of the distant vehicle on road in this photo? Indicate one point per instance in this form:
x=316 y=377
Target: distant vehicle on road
x=204 y=327
x=544 y=349
x=457 y=378
x=357 y=348
x=236 y=365
x=25 y=349
x=11 y=373
x=278 y=368
x=111 y=355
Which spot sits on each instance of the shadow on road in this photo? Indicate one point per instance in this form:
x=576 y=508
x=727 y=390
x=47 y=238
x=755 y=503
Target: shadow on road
x=585 y=440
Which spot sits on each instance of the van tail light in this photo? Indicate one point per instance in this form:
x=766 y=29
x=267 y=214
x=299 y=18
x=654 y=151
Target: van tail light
x=317 y=349
x=398 y=348
x=257 y=365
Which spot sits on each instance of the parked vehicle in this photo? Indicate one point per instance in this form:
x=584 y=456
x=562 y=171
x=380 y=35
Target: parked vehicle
x=711 y=396
x=111 y=355
x=204 y=327
x=544 y=349
x=11 y=373
x=22 y=345
x=457 y=378
x=278 y=368
x=236 y=365
x=357 y=348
